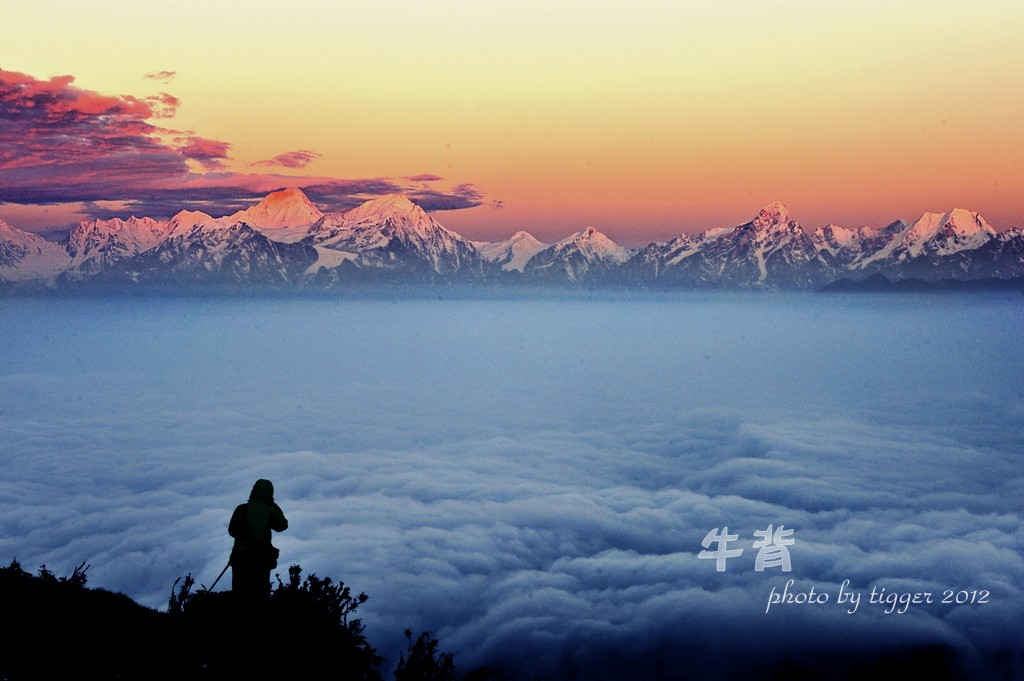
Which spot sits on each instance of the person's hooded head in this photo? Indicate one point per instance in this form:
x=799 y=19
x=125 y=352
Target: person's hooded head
x=263 y=490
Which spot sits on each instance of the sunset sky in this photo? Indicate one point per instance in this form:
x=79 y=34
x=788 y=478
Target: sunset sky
x=644 y=119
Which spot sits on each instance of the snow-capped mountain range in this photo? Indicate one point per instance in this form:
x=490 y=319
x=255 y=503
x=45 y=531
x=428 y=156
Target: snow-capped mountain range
x=588 y=254
x=511 y=254
x=770 y=250
x=286 y=241
x=773 y=251
x=391 y=234
x=26 y=257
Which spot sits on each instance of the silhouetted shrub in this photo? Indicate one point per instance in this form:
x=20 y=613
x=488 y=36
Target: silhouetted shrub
x=424 y=663
x=306 y=628
x=176 y=603
x=76 y=580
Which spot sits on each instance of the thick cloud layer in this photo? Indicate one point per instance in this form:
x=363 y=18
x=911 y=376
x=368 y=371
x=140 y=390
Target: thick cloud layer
x=532 y=480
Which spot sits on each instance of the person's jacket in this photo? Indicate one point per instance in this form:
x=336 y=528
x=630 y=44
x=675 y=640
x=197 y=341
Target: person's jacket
x=251 y=525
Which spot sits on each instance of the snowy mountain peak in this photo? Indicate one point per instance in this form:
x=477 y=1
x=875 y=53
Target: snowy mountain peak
x=588 y=234
x=393 y=233
x=833 y=238
x=97 y=244
x=280 y=209
x=969 y=221
x=776 y=212
x=837 y=234
x=114 y=225
x=25 y=256
x=382 y=207
x=190 y=215
x=964 y=221
x=513 y=253
x=577 y=257
x=593 y=244
x=946 y=233
x=134 y=234
x=396 y=212
x=13 y=235
x=185 y=220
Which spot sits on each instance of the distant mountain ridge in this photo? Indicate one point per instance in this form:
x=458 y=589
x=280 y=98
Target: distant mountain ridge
x=280 y=210
x=513 y=253
x=391 y=235
x=285 y=241
x=585 y=255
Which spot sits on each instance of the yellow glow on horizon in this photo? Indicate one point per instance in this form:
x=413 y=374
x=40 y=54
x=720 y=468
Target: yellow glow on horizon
x=607 y=113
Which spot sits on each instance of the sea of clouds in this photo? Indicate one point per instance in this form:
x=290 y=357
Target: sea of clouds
x=531 y=480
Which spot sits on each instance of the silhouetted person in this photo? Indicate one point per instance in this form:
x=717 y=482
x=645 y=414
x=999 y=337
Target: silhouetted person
x=253 y=556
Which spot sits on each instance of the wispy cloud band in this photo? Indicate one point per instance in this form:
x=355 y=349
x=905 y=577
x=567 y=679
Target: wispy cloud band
x=64 y=144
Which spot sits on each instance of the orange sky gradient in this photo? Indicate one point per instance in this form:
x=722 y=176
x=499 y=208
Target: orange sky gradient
x=644 y=119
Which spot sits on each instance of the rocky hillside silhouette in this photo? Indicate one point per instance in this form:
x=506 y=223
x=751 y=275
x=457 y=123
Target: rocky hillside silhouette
x=307 y=629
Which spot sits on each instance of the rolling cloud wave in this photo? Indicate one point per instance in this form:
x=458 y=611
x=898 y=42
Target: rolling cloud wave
x=532 y=481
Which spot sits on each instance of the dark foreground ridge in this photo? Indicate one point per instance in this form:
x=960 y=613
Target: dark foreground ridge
x=58 y=628
x=306 y=629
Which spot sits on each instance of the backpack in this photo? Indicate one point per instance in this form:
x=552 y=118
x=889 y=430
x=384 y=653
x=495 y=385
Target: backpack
x=262 y=554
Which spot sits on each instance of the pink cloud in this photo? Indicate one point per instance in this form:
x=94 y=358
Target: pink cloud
x=62 y=144
x=164 y=76
x=425 y=177
x=51 y=121
x=210 y=153
x=163 y=105
x=290 y=159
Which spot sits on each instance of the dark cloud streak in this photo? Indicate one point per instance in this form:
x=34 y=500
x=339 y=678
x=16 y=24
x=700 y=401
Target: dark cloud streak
x=290 y=159
x=164 y=76
x=211 y=154
x=462 y=196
